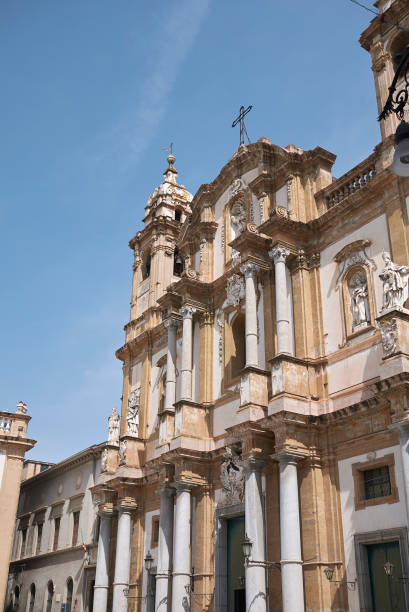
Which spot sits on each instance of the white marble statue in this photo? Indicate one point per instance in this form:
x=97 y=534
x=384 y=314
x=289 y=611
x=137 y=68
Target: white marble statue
x=395 y=283
x=132 y=415
x=238 y=217
x=358 y=289
x=113 y=427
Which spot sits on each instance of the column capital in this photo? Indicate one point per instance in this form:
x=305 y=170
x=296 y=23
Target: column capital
x=249 y=269
x=287 y=457
x=184 y=485
x=187 y=311
x=126 y=506
x=402 y=427
x=171 y=323
x=254 y=464
x=166 y=491
x=279 y=254
x=106 y=510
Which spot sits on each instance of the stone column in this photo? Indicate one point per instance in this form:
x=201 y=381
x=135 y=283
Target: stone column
x=403 y=430
x=279 y=256
x=122 y=558
x=290 y=534
x=102 y=568
x=186 y=371
x=165 y=547
x=182 y=565
x=255 y=571
x=170 y=389
x=250 y=272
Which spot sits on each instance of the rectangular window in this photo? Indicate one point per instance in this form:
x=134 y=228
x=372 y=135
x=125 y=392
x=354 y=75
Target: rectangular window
x=23 y=542
x=39 y=537
x=57 y=522
x=377 y=482
x=75 y=528
x=374 y=482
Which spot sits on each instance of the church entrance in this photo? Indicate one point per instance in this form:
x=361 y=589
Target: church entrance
x=236 y=593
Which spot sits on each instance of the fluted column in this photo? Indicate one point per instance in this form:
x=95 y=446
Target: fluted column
x=290 y=533
x=250 y=273
x=165 y=547
x=182 y=565
x=279 y=256
x=122 y=558
x=255 y=570
x=186 y=372
x=170 y=389
x=102 y=568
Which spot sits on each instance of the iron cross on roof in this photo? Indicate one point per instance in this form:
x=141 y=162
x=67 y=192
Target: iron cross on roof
x=240 y=119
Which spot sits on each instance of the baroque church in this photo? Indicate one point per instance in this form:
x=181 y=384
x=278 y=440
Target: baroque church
x=260 y=460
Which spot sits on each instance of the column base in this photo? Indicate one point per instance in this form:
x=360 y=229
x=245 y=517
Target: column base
x=191 y=419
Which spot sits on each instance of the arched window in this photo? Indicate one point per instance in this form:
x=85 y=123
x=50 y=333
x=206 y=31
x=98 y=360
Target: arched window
x=178 y=215
x=177 y=264
x=238 y=348
x=146 y=267
x=398 y=48
x=49 y=596
x=68 y=599
x=31 y=598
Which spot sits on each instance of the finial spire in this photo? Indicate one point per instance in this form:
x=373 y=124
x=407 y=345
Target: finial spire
x=171 y=161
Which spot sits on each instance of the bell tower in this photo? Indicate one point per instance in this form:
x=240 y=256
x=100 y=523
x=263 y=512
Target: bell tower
x=386 y=42
x=156 y=265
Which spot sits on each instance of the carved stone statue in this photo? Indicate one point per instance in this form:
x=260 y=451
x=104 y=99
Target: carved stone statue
x=235 y=291
x=122 y=451
x=232 y=478
x=358 y=289
x=104 y=460
x=238 y=217
x=132 y=415
x=395 y=283
x=113 y=427
x=21 y=408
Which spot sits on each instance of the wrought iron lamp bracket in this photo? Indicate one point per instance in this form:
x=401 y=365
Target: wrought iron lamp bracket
x=397 y=100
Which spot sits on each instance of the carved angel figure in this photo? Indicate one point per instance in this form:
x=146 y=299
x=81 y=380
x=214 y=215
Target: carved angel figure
x=132 y=414
x=232 y=478
x=113 y=427
x=395 y=283
x=238 y=217
x=358 y=289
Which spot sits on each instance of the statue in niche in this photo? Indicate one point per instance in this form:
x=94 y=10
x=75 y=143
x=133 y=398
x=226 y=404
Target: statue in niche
x=235 y=291
x=358 y=290
x=395 y=283
x=132 y=415
x=232 y=478
x=238 y=217
x=113 y=427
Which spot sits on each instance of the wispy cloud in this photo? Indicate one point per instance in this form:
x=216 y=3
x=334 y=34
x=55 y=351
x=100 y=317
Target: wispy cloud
x=130 y=135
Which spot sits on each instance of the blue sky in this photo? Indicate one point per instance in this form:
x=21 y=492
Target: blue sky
x=92 y=90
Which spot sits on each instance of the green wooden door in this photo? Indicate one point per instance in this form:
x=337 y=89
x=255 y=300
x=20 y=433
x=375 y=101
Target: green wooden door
x=387 y=591
x=236 y=601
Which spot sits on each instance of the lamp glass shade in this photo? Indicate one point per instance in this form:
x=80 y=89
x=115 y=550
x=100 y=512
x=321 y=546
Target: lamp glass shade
x=148 y=561
x=400 y=164
x=329 y=572
x=388 y=567
x=247 y=545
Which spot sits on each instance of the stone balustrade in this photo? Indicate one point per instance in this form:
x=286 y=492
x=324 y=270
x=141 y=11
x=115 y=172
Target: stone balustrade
x=351 y=182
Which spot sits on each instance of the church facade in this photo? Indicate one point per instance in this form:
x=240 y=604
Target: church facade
x=260 y=461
